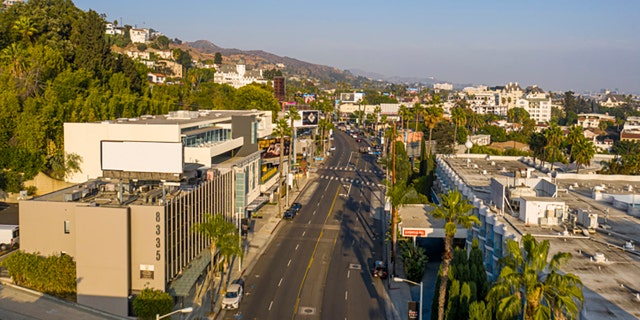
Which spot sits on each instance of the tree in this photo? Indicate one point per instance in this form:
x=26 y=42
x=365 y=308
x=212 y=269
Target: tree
x=291 y=115
x=25 y=28
x=163 y=42
x=518 y=115
x=433 y=115
x=418 y=111
x=459 y=118
x=217 y=58
x=455 y=210
x=218 y=230
x=531 y=287
x=92 y=51
x=537 y=144
x=475 y=121
x=281 y=130
x=554 y=136
x=404 y=114
x=151 y=302
x=254 y=96
x=582 y=152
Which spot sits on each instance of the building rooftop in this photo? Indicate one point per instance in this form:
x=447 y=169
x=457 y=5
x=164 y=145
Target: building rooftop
x=186 y=117
x=604 y=258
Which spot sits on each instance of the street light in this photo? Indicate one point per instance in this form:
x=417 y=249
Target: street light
x=398 y=279
x=185 y=310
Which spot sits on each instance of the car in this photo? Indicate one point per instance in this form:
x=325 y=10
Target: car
x=233 y=297
x=333 y=148
x=380 y=270
x=296 y=206
x=289 y=214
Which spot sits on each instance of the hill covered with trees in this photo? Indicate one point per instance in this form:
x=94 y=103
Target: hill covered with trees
x=57 y=66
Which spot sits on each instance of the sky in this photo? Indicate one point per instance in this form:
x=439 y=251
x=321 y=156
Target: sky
x=579 y=45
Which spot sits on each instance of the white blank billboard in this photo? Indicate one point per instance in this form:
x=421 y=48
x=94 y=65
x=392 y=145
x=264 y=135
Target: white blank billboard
x=133 y=156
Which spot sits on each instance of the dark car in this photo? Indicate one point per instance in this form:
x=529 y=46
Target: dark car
x=289 y=214
x=296 y=206
x=380 y=270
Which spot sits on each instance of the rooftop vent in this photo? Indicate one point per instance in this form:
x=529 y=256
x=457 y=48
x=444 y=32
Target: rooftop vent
x=629 y=245
x=599 y=257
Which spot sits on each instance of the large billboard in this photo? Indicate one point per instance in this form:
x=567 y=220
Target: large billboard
x=308 y=118
x=137 y=156
x=271 y=147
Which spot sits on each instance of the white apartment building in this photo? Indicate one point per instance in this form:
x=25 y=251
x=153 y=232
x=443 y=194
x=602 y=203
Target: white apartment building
x=443 y=86
x=593 y=120
x=539 y=109
x=238 y=77
x=139 y=35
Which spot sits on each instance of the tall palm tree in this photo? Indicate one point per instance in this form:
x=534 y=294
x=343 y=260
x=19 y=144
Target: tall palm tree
x=455 y=210
x=529 y=287
x=554 y=136
x=418 y=111
x=475 y=121
x=432 y=116
x=218 y=230
x=459 y=118
x=281 y=130
x=404 y=113
x=582 y=152
x=291 y=115
x=377 y=111
x=229 y=245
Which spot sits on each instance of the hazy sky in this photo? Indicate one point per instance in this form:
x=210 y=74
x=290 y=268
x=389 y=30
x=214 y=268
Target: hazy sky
x=575 y=45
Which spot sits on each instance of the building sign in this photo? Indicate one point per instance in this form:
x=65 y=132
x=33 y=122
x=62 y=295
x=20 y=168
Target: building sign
x=310 y=118
x=413 y=310
x=146 y=271
x=414 y=232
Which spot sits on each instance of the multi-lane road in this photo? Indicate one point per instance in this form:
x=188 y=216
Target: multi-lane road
x=318 y=265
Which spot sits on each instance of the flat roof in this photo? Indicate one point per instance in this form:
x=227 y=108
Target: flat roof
x=186 y=117
x=610 y=286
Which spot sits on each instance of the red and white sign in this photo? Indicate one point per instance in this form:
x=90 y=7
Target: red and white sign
x=414 y=232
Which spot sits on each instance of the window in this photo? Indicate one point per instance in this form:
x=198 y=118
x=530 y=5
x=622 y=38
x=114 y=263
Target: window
x=67 y=226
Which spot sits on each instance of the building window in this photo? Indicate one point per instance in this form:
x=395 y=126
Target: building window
x=67 y=226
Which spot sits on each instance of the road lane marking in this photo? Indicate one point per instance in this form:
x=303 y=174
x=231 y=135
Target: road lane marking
x=309 y=222
x=279 y=283
x=270 y=305
x=297 y=246
x=348 y=273
x=303 y=232
x=289 y=262
x=346 y=295
x=306 y=272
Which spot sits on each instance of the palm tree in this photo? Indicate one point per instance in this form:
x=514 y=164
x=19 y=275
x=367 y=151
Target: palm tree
x=418 y=111
x=219 y=231
x=377 y=111
x=281 y=130
x=582 y=152
x=537 y=143
x=432 y=116
x=529 y=287
x=475 y=121
x=459 y=118
x=291 y=115
x=554 y=136
x=404 y=113
x=576 y=133
x=229 y=245
x=455 y=210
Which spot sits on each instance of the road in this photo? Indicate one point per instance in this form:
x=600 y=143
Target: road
x=318 y=265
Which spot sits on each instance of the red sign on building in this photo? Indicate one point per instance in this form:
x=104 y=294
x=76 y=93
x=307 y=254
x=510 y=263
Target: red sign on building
x=414 y=232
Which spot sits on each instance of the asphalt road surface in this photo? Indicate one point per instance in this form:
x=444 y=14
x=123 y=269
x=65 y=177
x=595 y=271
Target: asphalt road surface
x=318 y=265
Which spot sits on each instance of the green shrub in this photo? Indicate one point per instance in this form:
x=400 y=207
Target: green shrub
x=151 y=302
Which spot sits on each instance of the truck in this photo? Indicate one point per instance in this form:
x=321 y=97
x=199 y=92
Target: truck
x=9 y=236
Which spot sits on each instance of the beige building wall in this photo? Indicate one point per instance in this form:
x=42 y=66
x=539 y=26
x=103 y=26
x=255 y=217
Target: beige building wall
x=148 y=247
x=102 y=258
x=84 y=139
x=42 y=227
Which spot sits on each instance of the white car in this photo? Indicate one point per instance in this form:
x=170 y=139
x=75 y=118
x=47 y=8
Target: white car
x=233 y=296
x=333 y=148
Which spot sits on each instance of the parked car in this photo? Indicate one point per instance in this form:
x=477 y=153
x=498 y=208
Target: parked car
x=333 y=148
x=289 y=214
x=380 y=270
x=234 y=294
x=296 y=206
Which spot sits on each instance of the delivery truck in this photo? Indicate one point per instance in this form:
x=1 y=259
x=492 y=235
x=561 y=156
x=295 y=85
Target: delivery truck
x=9 y=236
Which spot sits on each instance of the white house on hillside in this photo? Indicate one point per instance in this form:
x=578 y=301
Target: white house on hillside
x=139 y=35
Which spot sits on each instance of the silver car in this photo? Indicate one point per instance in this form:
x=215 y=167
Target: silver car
x=233 y=297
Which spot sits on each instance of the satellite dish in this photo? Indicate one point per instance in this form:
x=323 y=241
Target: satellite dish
x=468 y=144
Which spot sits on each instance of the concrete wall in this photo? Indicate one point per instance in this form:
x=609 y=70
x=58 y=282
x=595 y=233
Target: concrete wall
x=42 y=227
x=148 y=247
x=102 y=258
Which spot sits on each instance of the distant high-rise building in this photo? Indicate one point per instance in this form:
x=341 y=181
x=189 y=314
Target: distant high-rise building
x=279 y=88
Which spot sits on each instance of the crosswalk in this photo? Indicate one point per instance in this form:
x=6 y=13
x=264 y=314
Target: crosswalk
x=353 y=181
x=349 y=168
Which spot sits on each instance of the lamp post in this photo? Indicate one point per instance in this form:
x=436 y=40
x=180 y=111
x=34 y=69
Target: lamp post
x=184 y=310
x=398 y=279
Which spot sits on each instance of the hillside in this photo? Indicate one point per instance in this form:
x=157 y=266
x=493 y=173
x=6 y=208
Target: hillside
x=258 y=59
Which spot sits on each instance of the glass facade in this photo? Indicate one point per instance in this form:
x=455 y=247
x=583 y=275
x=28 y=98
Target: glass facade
x=215 y=135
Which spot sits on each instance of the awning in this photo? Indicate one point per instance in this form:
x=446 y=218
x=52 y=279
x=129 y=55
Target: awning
x=257 y=203
x=183 y=284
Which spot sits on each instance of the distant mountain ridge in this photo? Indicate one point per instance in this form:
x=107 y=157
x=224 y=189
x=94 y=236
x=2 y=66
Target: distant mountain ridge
x=264 y=60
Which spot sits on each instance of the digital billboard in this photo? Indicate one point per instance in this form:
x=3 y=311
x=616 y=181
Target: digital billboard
x=137 y=156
